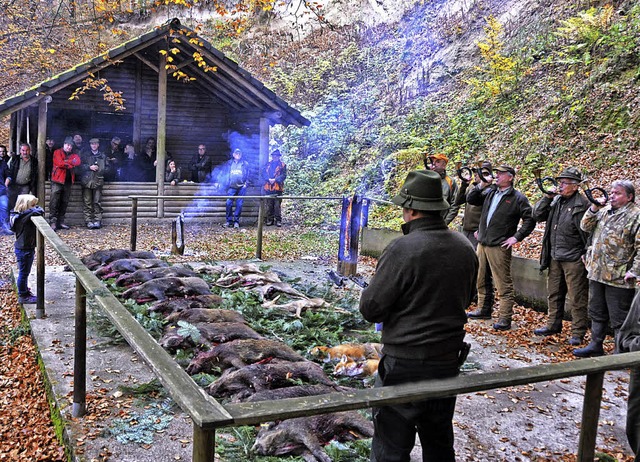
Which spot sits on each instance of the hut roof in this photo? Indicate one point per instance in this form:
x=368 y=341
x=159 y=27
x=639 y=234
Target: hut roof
x=228 y=82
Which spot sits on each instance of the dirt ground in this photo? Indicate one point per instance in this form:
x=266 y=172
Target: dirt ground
x=533 y=422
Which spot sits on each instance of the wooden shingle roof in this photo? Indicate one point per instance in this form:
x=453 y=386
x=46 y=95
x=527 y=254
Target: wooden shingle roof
x=229 y=82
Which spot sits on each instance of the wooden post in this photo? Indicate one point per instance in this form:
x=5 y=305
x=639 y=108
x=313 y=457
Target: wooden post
x=80 y=353
x=41 y=149
x=18 y=139
x=137 y=114
x=12 y=132
x=134 y=223
x=161 y=140
x=260 y=226
x=40 y=273
x=204 y=445
x=590 y=416
x=263 y=156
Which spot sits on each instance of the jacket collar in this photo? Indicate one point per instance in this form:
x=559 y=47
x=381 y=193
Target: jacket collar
x=430 y=223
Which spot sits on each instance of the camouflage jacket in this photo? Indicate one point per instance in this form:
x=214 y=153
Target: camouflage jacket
x=615 y=244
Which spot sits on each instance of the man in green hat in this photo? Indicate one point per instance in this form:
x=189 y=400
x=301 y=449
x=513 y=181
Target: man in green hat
x=563 y=246
x=424 y=281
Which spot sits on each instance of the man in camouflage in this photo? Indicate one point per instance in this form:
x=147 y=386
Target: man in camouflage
x=612 y=261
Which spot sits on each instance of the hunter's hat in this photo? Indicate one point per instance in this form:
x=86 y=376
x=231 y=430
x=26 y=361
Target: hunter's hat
x=94 y=140
x=276 y=153
x=422 y=190
x=570 y=173
x=506 y=168
x=68 y=140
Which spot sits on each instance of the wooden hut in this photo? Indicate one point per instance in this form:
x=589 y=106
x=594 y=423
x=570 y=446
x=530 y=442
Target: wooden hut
x=224 y=108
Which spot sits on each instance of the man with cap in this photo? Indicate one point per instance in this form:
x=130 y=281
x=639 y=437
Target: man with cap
x=22 y=176
x=275 y=172
x=470 y=224
x=563 y=247
x=438 y=163
x=62 y=178
x=423 y=283
x=502 y=209
x=93 y=167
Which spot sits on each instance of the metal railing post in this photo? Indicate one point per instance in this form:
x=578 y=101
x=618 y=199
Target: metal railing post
x=204 y=445
x=40 y=273
x=134 y=223
x=590 y=416
x=80 y=353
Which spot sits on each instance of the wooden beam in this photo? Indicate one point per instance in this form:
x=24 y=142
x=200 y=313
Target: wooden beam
x=254 y=413
x=41 y=149
x=147 y=62
x=237 y=83
x=137 y=113
x=161 y=140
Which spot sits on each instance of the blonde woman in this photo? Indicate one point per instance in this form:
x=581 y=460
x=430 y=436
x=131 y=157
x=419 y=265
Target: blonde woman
x=25 y=246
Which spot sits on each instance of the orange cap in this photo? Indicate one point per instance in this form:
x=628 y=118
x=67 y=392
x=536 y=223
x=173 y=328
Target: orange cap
x=438 y=156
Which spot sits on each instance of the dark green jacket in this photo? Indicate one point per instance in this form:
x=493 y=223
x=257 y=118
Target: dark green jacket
x=563 y=239
x=423 y=284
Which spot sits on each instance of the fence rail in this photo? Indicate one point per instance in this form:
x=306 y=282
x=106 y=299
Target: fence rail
x=208 y=415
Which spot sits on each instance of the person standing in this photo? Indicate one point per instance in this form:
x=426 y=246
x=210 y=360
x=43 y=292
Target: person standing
x=50 y=147
x=502 y=209
x=233 y=177
x=23 y=174
x=4 y=200
x=275 y=172
x=4 y=154
x=200 y=165
x=563 y=247
x=115 y=158
x=78 y=144
x=93 y=167
x=62 y=178
x=612 y=261
x=421 y=306
x=438 y=163
x=470 y=224
x=25 y=245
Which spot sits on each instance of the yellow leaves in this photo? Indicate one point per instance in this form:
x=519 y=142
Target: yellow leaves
x=113 y=98
x=163 y=52
x=51 y=51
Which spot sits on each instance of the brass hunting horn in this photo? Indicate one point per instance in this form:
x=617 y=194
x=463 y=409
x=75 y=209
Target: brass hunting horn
x=540 y=181
x=601 y=196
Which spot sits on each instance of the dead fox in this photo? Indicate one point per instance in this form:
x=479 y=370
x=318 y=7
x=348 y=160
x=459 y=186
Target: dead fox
x=351 y=368
x=353 y=351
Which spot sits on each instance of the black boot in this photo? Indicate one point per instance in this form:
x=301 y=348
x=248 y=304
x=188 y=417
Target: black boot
x=556 y=328
x=480 y=313
x=598 y=332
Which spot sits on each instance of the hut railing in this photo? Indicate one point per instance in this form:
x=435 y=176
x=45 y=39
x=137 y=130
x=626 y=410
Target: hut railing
x=208 y=415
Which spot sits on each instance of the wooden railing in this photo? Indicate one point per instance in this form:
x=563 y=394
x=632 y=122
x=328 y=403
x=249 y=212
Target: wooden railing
x=208 y=415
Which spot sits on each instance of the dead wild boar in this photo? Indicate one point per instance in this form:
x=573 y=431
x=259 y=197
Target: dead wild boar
x=177 y=305
x=128 y=265
x=248 y=380
x=297 y=391
x=194 y=315
x=163 y=288
x=102 y=257
x=147 y=274
x=239 y=353
x=305 y=436
x=210 y=332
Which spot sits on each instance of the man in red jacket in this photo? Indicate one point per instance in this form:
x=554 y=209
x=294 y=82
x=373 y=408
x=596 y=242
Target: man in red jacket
x=62 y=178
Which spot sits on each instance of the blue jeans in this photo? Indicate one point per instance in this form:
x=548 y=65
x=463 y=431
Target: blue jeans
x=395 y=426
x=235 y=216
x=25 y=261
x=4 y=213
